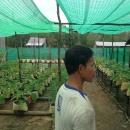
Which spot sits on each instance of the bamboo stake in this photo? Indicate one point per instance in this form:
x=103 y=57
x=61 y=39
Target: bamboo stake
x=59 y=42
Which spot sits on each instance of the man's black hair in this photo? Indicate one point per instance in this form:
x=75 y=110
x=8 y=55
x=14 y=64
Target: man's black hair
x=75 y=56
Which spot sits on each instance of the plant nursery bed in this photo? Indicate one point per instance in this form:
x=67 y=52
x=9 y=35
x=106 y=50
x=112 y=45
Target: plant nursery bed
x=108 y=114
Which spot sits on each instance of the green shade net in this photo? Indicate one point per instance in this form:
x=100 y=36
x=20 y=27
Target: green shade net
x=23 y=17
x=97 y=16
x=32 y=53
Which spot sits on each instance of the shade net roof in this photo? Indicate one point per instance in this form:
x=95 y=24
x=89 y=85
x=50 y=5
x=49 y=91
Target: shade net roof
x=23 y=17
x=97 y=16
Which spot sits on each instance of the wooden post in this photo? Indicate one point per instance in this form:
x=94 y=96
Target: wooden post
x=124 y=55
x=117 y=55
x=112 y=49
x=34 y=51
x=109 y=53
x=20 y=77
x=69 y=39
x=103 y=47
x=6 y=45
x=106 y=52
x=129 y=57
x=59 y=42
x=21 y=41
x=50 y=52
x=38 y=51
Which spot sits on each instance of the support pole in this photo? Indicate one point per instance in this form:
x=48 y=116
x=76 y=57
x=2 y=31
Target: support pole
x=59 y=43
x=6 y=44
x=20 y=78
x=103 y=47
x=69 y=39
x=38 y=51
x=124 y=56
x=106 y=52
x=117 y=54
x=112 y=56
x=50 y=51
x=109 y=53
x=129 y=57
x=34 y=51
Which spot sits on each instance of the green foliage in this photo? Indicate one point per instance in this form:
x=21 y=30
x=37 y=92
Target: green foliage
x=8 y=65
x=34 y=97
x=2 y=99
x=120 y=72
x=2 y=54
x=73 y=39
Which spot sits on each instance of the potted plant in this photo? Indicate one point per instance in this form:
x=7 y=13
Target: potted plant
x=20 y=102
x=31 y=91
x=53 y=91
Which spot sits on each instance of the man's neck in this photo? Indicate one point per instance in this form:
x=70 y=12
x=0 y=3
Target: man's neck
x=75 y=81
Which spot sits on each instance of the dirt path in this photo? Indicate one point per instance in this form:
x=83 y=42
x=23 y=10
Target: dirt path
x=108 y=114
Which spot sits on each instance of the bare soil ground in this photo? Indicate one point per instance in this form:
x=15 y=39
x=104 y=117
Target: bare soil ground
x=108 y=115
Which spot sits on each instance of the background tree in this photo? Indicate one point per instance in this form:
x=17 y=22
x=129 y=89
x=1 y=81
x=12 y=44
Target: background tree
x=68 y=40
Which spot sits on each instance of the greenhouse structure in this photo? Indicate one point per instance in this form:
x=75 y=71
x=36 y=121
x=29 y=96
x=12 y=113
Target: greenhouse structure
x=30 y=76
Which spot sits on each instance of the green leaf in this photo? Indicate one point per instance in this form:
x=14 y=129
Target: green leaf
x=34 y=97
x=20 y=102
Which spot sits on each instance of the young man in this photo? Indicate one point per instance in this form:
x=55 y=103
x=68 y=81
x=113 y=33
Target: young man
x=73 y=110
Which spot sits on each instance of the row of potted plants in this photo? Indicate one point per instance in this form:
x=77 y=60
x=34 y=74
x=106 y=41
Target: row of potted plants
x=40 y=61
x=32 y=79
x=116 y=71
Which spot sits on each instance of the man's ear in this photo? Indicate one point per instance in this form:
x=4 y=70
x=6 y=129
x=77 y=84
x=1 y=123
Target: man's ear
x=80 y=69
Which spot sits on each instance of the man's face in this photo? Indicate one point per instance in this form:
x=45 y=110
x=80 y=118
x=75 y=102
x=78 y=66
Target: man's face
x=88 y=71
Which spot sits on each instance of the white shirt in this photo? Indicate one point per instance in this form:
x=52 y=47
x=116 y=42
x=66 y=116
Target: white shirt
x=73 y=110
